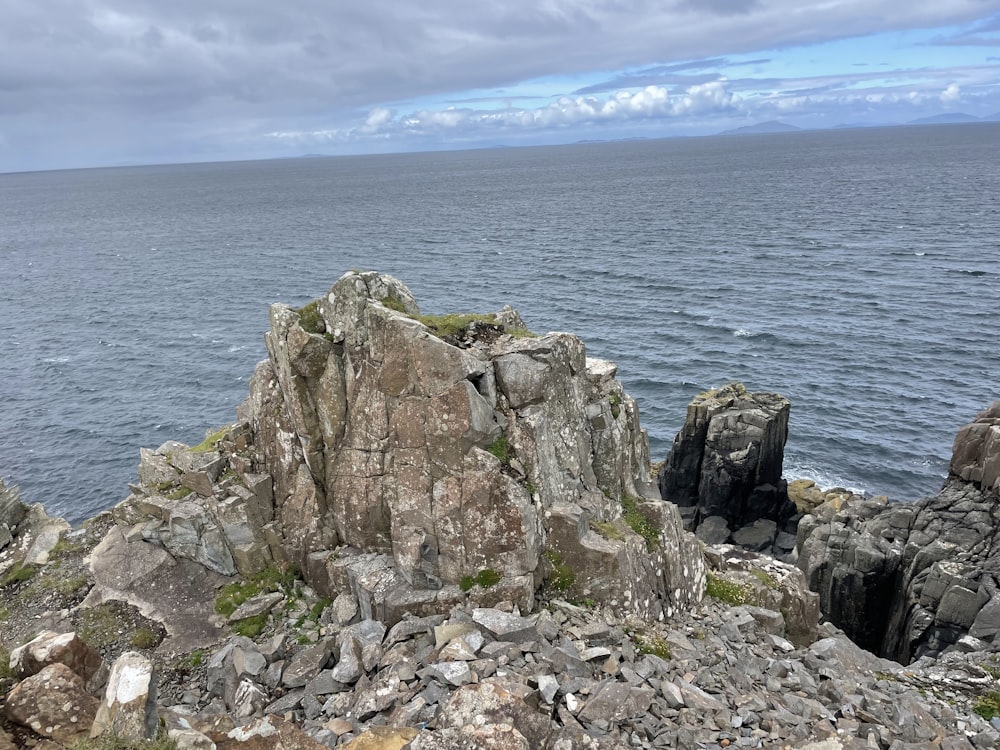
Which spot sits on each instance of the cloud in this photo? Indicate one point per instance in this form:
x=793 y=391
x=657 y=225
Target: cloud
x=952 y=94
x=649 y=103
x=82 y=82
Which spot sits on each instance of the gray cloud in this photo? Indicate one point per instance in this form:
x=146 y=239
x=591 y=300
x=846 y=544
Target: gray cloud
x=106 y=81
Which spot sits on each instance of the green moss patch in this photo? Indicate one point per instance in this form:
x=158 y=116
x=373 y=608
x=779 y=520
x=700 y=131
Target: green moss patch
x=270 y=579
x=393 y=304
x=502 y=450
x=310 y=319
x=766 y=578
x=19 y=574
x=728 y=591
x=638 y=522
x=210 y=441
x=561 y=578
x=988 y=705
x=485 y=578
x=607 y=530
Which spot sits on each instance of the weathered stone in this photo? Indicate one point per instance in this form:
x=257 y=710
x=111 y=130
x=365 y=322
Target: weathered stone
x=455 y=673
x=65 y=648
x=714 y=530
x=306 y=664
x=504 y=626
x=53 y=703
x=382 y=738
x=497 y=701
x=615 y=701
x=479 y=737
x=249 y=699
x=128 y=709
x=909 y=581
x=727 y=458
x=365 y=429
x=256 y=605
x=268 y=733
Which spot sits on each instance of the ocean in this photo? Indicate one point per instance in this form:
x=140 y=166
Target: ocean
x=857 y=272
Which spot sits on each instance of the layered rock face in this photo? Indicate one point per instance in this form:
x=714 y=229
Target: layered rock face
x=408 y=466
x=724 y=469
x=915 y=580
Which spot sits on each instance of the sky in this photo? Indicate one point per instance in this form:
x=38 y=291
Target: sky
x=109 y=82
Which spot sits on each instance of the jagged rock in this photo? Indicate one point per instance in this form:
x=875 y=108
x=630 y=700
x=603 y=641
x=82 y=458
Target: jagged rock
x=12 y=512
x=498 y=701
x=64 y=648
x=53 y=703
x=128 y=709
x=726 y=460
x=911 y=580
x=435 y=458
x=267 y=733
x=976 y=452
x=383 y=738
x=306 y=664
x=761 y=581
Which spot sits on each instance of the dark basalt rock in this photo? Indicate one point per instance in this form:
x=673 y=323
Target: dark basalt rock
x=726 y=461
x=908 y=581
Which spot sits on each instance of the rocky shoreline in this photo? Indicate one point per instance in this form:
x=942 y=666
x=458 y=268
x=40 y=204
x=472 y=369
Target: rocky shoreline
x=444 y=532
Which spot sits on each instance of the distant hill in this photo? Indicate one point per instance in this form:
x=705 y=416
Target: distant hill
x=995 y=117
x=771 y=126
x=946 y=118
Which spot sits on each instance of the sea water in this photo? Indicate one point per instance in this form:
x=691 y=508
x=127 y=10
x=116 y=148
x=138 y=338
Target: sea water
x=857 y=272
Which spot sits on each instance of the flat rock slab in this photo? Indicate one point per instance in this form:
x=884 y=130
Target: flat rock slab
x=505 y=626
x=180 y=594
x=256 y=605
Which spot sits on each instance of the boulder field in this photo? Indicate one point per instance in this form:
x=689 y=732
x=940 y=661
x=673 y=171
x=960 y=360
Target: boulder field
x=444 y=532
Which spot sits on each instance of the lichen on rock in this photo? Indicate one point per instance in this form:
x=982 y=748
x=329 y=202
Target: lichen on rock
x=371 y=430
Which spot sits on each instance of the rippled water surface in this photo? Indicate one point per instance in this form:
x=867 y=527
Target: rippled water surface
x=857 y=272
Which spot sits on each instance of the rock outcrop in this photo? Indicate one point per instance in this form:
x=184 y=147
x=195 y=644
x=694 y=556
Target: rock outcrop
x=724 y=469
x=919 y=579
x=407 y=458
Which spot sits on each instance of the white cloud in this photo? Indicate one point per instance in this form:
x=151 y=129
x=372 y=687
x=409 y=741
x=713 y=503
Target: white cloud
x=952 y=94
x=194 y=72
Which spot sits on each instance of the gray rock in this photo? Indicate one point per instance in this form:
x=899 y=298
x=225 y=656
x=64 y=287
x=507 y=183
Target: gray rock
x=727 y=458
x=306 y=664
x=505 y=626
x=714 y=530
x=128 y=710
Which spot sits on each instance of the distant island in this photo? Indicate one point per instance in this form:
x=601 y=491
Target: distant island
x=771 y=126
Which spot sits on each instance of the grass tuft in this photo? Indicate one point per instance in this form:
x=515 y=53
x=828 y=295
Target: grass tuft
x=502 y=450
x=562 y=577
x=988 y=705
x=19 y=574
x=639 y=523
x=208 y=444
x=310 y=319
x=728 y=591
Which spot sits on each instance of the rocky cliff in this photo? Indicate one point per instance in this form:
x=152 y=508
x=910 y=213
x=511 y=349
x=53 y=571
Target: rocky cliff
x=724 y=469
x=408 y=457
x=916 y=580
x=486 y=565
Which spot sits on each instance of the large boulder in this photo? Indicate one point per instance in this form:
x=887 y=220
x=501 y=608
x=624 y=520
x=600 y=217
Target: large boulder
x=400 y=457
x=128 y=710
x=911 y=580
x=726 y=461
x=49 y=647
x=53 y=703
